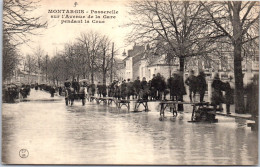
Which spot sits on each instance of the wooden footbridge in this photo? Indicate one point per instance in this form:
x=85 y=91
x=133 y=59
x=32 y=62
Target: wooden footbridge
x=173 y=106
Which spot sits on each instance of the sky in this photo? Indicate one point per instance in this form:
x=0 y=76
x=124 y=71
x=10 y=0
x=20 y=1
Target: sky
x=53 y=38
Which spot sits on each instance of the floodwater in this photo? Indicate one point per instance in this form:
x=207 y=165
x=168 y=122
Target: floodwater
x=100 y=134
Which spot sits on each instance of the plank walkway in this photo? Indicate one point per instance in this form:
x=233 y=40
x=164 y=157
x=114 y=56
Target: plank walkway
x=235 y=115
x=167 y=102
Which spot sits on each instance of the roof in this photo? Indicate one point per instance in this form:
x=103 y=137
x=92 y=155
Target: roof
x=152 y=65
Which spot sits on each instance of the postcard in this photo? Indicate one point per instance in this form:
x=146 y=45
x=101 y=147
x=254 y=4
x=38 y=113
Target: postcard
x=139 y=82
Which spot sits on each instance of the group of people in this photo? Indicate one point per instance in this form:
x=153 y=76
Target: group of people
x=155 y=89
x=218 y=87
x=11 y=92
x=158 y=88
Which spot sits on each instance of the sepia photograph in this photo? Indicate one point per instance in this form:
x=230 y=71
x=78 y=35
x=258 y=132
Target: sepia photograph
x=130 y=82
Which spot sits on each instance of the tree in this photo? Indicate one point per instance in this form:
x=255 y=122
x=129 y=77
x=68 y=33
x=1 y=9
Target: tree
x=30 y=65
x=56 y=69
x=105 y=57
x=175 y=28
x=18 y=20
x=91 y=41
x=11 y=58
x=239 y=22
x=39 y=53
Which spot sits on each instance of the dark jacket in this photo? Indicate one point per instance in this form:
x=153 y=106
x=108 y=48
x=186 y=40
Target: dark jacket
x=67 y=84
x=191 y=81
x=137 y=85
x=217 y=96
x=229 y=99
x=202 y=85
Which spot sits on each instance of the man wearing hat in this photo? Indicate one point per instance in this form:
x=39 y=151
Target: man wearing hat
x=202 y=85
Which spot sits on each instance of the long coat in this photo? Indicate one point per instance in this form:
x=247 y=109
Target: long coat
x=217 y=96
x=201 y=85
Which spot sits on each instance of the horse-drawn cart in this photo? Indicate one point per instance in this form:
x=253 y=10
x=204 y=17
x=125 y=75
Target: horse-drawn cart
x=71 y=95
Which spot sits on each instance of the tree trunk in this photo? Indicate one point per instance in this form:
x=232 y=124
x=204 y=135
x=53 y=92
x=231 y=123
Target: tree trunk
x=239 y=88
x=103 y=68
x=104 y=78
x=180 y=106
x=237 y=42
x=112 y=58
x=92 y=76
x=181 y=64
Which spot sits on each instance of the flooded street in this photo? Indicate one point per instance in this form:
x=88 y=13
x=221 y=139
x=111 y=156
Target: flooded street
x=101 y=134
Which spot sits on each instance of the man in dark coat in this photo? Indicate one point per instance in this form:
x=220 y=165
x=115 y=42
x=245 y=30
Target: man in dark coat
x=111 y=91
x=123 y=89
x=202 y=85
x=144 y=92
x=153 y=88
x=172 y=84
x=67 y=83
x=159 y=83
x=92 y=89
x=75 y=85
x=103 y=90
x=191 y=81
x=137 y=86
x=130 y=88
x=99 y=89
x=228 y=96
x=60 y=90
x=217 y=96
x=252 y=90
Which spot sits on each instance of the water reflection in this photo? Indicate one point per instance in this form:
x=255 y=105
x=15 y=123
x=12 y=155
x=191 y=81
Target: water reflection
x=99 y=134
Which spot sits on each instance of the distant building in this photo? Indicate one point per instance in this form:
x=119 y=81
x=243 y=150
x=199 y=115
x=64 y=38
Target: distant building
x=142 y=62
x=23 y=77
x=120 y=69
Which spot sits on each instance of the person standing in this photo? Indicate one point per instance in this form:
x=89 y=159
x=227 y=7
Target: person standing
x=173 y=86
x=67 y=85
x=123 y=88
x=130 y=89
x=191 y=81
x=60 y=90
x=75 y=86
x=202 y=85
x=99 y=89
x=228 y=96
x=217 y=87
x=137 y=86
x=160 y=85
x=153 y=88
x=252 y=90
x=93 y=89
x=104 y=90
x=144 y=89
